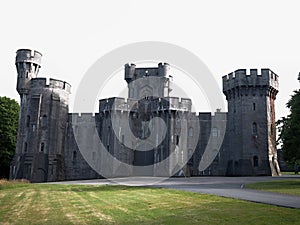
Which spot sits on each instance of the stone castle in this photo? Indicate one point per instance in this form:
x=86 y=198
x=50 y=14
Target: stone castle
x=127 y=138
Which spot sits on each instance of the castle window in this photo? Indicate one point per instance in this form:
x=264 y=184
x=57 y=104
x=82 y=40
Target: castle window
x=25 y=147
x=177 y=139
x=27 y=121
x=255 y=161
x=191 y=132
x=254 y=128
x=42 y=147
x=215 y=132
x=74 y=155
x=254 y=106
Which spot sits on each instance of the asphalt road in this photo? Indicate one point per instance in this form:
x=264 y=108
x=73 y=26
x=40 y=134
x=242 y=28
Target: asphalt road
x=232 y=187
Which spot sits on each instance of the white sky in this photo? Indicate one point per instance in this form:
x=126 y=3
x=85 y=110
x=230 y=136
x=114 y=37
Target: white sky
x=226 y=35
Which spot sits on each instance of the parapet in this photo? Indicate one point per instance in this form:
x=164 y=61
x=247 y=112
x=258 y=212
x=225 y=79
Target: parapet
x=82 y=117
x=240 y=78
x=174 y=103
x=112 y=104
x=131 y=72
x=59 y=84
x=28 y=55
x=205 y=116
x=41 y=82
x=155 y=104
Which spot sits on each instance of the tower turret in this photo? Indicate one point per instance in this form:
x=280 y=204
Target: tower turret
x=251 y=122
x=148 y=81
x=28 y=63
x=42 y=122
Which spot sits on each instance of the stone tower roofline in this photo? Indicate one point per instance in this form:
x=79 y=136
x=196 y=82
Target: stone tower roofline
x=28 y=63
x=240 y=78
x=131 y=72
x=42 y=82
x=170 y=103
x=28 y=55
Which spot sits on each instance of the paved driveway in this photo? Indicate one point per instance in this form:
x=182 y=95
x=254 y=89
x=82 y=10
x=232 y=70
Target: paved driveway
x=233 y=187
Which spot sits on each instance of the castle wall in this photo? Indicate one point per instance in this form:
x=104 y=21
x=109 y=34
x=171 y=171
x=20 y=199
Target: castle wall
x=150 y=133
x=76 y=166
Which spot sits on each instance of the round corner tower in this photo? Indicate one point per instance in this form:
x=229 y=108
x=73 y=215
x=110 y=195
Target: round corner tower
x=251 y=130
x=42 y=122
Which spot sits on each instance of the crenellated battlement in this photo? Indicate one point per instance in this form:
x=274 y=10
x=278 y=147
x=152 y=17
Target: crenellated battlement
x=250 y=78
x=42 y=82
x=82 y=117
x=131 y=72
x=28 y=55
x=155 y=104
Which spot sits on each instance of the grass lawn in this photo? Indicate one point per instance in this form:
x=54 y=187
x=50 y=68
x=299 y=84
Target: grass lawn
x=280 y=186
x=23 y=203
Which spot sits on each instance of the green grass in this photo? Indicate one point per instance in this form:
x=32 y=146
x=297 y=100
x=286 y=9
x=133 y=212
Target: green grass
x=281 y=186
x=74 y=204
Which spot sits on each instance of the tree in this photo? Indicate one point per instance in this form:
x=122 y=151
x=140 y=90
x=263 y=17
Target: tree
x=9 y=115
x=289 y=131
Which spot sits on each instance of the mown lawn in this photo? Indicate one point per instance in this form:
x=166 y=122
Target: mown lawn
x=281 y=186
x=78 y=204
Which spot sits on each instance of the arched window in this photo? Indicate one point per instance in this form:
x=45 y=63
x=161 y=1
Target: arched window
x=27 y=121
x=177 y=139
x=255 y=161
x=25 y=147
x=74 y=155
x=42 y=147
x=191 y=132
x=254 y=128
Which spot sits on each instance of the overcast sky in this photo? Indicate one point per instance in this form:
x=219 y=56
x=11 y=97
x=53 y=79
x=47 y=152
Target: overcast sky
x=225 y=35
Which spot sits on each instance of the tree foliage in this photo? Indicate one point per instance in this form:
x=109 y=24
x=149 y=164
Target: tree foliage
x=9 y=114
x=289 y=131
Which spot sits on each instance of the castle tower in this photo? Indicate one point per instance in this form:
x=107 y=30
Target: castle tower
x=147 y=82
x=42 y=122
x=28 y=63
x=251 y=131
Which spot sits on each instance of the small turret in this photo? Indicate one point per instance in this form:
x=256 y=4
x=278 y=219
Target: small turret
x=28 y=63
x=129 y=72
x=163 y=69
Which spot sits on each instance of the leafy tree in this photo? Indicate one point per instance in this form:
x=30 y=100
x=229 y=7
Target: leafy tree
x=289 y=131
x=9 y=114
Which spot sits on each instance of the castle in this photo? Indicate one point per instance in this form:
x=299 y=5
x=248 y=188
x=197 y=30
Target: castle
x=149 y=134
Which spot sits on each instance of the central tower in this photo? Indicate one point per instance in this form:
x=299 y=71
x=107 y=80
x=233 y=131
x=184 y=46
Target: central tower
x=146 y=82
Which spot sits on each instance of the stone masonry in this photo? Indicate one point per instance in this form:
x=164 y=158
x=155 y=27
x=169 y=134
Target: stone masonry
x=240 y=142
